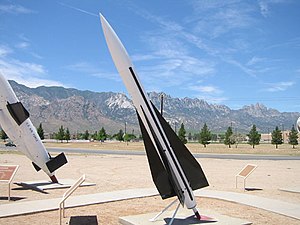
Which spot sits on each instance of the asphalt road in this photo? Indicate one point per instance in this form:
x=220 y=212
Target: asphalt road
x=133 y=152
x=197 y=155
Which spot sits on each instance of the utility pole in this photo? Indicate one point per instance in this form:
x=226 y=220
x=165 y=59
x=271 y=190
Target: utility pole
x=161 y=104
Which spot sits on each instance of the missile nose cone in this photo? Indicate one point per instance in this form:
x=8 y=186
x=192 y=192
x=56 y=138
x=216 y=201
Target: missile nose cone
x=104 y=23
x=115 y=46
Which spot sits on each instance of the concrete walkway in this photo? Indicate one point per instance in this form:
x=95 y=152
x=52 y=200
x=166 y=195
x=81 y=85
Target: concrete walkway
x=21 y=208
x=26 y=207
x=276 y=206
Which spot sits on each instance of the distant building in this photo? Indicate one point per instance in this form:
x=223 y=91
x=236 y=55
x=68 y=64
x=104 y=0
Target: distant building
x=266 y=138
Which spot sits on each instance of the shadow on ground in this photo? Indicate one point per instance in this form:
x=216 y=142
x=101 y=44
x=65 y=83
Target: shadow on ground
x=14 y=199
x=253 y=189
x=190 y=220
x=28 y=187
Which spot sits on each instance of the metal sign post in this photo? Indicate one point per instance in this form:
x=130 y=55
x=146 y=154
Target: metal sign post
x=7 y=173
x=244 y=173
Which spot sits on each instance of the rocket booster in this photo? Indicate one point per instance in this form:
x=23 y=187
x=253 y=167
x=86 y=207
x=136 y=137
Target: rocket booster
x=14 y=120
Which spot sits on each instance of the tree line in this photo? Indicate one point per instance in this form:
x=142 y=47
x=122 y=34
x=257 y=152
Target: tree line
x=205 y=136
x=101 y=135
x=253 y=137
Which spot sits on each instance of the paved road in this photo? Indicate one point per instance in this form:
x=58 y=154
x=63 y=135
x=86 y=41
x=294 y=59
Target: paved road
x=197 y=155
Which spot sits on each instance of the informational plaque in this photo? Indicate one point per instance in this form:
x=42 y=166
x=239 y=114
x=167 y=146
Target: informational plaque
x=244 y=173
x=7 y=173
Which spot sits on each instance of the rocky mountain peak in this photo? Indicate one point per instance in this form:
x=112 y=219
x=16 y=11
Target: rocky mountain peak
x=87 y=110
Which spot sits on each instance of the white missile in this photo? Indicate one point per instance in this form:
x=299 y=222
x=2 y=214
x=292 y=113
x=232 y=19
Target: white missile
x=174 y=170
x=298 y=125
x=14 y=120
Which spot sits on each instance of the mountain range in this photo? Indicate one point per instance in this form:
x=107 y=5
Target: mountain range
x=86 y=110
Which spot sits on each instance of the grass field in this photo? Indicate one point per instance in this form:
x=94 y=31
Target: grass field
x=263 y=149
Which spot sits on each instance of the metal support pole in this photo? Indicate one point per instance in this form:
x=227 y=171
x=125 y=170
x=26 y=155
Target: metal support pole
x=165 y=209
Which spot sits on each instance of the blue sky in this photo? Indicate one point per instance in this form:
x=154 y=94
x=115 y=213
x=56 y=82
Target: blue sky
x=231 y=52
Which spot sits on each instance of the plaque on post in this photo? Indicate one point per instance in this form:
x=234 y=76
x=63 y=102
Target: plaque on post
x=7 y=173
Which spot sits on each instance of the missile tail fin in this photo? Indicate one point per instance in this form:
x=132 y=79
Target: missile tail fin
x=189 y=164
x=36 y=167
x=18 y=112
x=56 y=162
x=158 y=171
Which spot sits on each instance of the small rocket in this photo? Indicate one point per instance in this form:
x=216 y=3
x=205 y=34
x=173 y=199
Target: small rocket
x=14 y=120
x=298 y=125
x=174 y=169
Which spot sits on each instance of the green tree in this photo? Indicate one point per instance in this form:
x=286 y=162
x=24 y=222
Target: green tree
x=205 y=135
x=3 y=135
x=95 y=135
x=181 y=134
x=228 y=137
x=254 y=137
x=60 y=135
x=293 y=137
x=40 y=131
x=86 y=135
x=102 y=136
x=120 y=135
x=190 y=137
x=129 y=137
x=67 y=135
x=277 y=137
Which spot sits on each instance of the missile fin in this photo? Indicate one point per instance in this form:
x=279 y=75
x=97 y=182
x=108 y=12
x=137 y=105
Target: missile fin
x=158 y=171
x=18 y=112
x=36 y=167
x=189 y=164
x=56 y=162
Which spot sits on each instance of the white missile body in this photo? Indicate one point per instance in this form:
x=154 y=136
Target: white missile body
x=298 y=125
x=14 y=120
x=153 y=125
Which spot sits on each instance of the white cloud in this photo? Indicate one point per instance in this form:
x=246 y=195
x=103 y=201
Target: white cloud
x=92 y=70
x=206 y=89
x=140 y=57
x=4 y=50
x=170 y=62
x=264 y=6
x=254 y=60
x=208 y=93
x=215 y=18
x=23 y=45
x=280 y=86
x=212 y=99
x=27 y=73
x=14 y=9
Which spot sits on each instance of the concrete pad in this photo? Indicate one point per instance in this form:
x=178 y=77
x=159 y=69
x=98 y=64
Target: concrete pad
x=183 y=217
x=291 y=189
x=43 y=185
